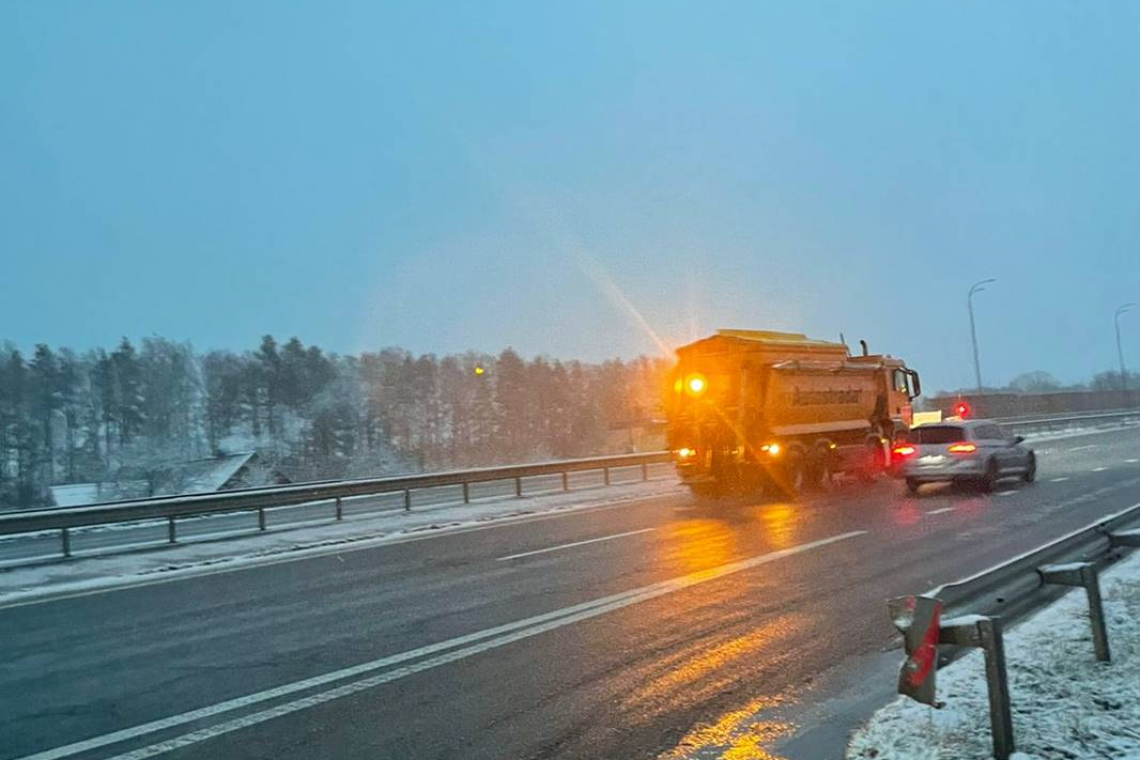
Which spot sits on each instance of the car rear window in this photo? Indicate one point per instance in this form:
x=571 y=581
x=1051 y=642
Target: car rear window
x=937 y=434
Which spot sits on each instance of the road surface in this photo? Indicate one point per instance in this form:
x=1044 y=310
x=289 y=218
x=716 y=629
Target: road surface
x=609 y=633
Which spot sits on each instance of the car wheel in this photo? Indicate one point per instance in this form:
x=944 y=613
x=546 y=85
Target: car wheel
x=990 y=479
x=1030 y=468
x=912 y=486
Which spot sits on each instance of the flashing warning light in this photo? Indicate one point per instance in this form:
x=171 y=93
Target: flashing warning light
x=961 y=448
x=479 y=370
x=962 y=409
x=696 y=384
x=772 y=449
x=686 y=452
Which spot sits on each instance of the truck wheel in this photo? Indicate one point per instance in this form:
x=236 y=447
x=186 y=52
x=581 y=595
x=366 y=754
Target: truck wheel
x=874 y=463
x=1030 y=468
x=795 y=473
x=912 y=486
x=822 y=469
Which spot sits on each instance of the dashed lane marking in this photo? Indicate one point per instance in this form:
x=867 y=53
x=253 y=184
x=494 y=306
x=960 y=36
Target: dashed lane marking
x=460 y=648
x=940 y=511
x=576 y=543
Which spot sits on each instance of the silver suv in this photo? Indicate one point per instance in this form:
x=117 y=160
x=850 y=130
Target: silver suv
x=977 y=451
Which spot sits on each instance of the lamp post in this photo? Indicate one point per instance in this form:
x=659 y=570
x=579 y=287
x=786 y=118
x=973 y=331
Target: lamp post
x=977 y=287
x=1119 y=350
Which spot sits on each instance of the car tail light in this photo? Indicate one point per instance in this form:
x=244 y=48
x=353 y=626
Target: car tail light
x=961 y=448
x=905 y=450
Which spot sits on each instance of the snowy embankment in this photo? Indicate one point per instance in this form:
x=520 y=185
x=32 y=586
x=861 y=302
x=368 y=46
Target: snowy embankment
x=1066 y=705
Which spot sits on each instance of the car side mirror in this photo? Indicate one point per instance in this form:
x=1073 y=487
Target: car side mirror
x=1019 y=439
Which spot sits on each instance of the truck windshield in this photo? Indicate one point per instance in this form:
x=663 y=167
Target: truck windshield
x=938 y=434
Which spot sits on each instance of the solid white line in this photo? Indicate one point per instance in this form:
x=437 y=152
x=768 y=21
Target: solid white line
x=1058 y=480
x=1084 y=448
x=498 y=636
x=940 y=511
x=576 y=543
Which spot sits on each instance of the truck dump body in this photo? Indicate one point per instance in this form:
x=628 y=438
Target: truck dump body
x=747 y=405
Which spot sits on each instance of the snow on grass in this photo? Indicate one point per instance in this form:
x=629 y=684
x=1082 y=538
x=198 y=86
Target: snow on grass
x=1066 y=705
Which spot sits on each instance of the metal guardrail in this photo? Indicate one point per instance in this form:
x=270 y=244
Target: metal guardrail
x=971 y=612
x=171 y=508
x=1050 y=422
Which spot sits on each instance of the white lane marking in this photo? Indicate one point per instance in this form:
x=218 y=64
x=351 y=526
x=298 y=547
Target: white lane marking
x=1058 y=480
x=1006 y=493
x=1083 y=448
x=576 y=543
x=940 y=511
x=1099 y=469
x=1132 y=461
x=242 y=563
x=499 y=636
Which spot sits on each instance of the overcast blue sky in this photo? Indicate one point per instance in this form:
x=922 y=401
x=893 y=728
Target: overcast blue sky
x=579 y=179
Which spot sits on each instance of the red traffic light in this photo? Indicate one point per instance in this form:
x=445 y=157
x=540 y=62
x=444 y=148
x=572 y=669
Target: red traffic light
x=962 y=409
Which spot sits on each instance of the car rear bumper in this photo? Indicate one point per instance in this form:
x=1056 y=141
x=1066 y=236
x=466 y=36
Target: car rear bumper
x=948 y=469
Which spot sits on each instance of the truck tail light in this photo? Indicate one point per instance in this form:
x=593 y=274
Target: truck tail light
x=961 y=448
x=905 y=450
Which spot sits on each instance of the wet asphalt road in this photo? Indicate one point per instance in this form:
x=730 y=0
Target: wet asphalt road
x=613 y=635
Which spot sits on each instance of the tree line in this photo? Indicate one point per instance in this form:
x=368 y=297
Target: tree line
x=138 y=410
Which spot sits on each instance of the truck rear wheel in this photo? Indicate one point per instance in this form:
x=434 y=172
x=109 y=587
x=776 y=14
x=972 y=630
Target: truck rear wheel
x=795 y=473
x=822 y=467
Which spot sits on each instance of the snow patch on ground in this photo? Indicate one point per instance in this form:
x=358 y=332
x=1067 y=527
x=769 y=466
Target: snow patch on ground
x=24 y=583
x=1065 y=704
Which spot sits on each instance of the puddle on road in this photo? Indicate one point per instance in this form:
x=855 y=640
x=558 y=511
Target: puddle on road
x=739 y=735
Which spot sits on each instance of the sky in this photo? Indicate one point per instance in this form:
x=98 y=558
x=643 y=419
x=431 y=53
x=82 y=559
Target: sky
x=576 y=179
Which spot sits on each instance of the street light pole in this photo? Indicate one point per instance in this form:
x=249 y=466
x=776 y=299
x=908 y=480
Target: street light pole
x=976 y=288
x=1120 y=351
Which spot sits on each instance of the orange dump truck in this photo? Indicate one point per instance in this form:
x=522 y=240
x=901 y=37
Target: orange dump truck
x=752 y=409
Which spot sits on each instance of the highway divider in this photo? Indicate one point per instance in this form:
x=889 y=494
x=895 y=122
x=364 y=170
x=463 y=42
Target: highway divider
x=173 y=508
x=258 y=500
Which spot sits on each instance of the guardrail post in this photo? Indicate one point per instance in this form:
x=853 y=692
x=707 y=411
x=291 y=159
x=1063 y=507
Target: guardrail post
x=407 y=500
x=66 y=538
x=1001 y=721
x=606 y=475
x=171 y=534
x=644 y=472
x=339 y=509
x=518 y=487
x=261 y=518
x=565 y=481
x=466 y=493
x=986 y=632
x=1083 y=574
